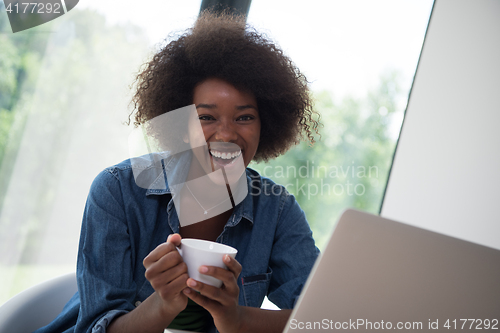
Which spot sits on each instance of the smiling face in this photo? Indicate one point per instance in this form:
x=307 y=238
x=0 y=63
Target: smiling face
x=230 y=122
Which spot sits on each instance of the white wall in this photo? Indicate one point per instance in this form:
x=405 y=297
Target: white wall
x=446 y=172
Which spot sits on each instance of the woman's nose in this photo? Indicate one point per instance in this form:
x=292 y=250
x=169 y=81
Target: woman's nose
x=226 y=132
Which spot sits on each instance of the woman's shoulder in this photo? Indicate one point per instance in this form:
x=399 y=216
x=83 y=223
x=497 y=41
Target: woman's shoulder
x=139 y=163
x=111 y=178
x=124 y=165
x=114 y=173
x=134 y=172
x=146 y=168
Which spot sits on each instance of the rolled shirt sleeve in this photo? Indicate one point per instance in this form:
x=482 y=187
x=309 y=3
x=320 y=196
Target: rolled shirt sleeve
x=101 y=325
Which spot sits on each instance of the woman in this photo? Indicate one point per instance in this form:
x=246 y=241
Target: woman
x=248 y=97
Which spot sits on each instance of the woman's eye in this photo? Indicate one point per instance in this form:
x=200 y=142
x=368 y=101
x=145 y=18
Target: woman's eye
x=205 y=118
x=246 y=118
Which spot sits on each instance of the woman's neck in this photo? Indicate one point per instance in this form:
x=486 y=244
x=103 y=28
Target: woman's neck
x=209 y=229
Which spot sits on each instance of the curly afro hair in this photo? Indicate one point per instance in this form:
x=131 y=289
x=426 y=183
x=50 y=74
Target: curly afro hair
x=223 y=46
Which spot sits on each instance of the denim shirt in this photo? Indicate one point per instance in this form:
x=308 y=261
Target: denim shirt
x=123 y=223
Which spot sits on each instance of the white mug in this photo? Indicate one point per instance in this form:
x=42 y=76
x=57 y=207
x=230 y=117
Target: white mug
x=197 y=252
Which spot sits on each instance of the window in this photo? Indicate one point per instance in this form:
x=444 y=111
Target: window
x=64 y=94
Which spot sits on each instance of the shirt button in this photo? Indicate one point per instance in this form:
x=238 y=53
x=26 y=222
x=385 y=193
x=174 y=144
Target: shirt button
x=137 y=303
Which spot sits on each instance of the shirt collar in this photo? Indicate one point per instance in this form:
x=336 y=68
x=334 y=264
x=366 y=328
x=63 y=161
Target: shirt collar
x=175 y=166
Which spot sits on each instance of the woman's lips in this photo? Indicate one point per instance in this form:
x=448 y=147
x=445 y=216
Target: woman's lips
x=224 y=158
x=225 y=155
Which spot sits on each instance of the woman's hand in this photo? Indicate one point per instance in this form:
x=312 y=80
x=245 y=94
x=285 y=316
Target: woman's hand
x=222 y=303
x=167 y=273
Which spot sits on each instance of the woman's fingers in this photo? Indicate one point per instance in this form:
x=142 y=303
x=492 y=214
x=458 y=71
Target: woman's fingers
x=165 y=269
x=217 y=294
x=167 y=261
x=229 y=276
x=229 y=291
x=167 y=273
x=158 y=274
x=174 y=239
x=199 y=298
x=233 y=265
x=222 y=303
x=175 y=286
x=161 y=250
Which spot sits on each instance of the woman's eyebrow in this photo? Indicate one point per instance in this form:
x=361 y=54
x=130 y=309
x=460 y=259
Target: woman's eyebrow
x=213 y=106
x=206 y=106
x=244 y=107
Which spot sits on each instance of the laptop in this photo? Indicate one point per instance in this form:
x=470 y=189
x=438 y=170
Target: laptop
x=377 y=274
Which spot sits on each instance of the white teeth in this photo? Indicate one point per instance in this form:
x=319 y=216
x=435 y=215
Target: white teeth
x=225 y=156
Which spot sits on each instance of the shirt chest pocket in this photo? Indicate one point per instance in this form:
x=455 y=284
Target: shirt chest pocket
x=255 y=287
